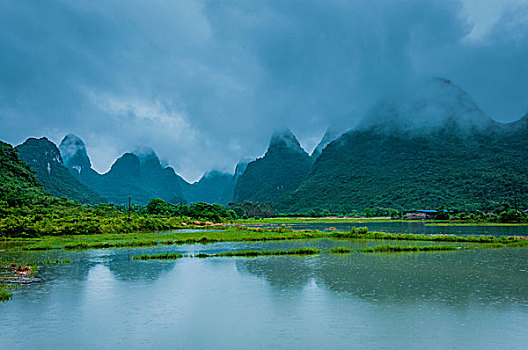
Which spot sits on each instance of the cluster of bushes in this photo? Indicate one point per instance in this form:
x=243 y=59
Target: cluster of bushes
x=506 y=216
x=45 y=215
x=200 y=210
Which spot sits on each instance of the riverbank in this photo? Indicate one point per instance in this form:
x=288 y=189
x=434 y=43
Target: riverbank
x=345 y=220
x=476 y=223
x=240 y=234
x=304 y=220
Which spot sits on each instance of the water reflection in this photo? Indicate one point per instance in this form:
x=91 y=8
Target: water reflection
x=124 y=268
x=280 y=272
x=454 y=278
x=105 y=300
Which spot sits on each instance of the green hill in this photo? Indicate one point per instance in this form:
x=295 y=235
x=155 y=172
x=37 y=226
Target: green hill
x=140 y=175
x=18 y=184
x=43 y=157
x=281 y=170
x=438 y=149
x=329 y=136
x=142 y=179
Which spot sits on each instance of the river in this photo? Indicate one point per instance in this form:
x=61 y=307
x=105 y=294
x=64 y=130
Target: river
x=473 y=299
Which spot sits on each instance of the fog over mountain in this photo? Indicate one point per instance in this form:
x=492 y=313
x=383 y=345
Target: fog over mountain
x=206 y=83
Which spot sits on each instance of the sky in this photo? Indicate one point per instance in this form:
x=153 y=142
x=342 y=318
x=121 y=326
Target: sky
x=206 y=82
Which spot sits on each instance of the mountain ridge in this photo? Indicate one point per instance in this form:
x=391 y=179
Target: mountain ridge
x=386 y=165
x=283 y=167
x=429 y=147
x=44 y=158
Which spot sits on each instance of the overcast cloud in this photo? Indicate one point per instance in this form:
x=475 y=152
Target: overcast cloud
x=205 y=83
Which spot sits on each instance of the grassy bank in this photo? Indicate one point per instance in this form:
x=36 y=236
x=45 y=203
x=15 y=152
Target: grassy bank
x=255 y=253
x=363 y=233
x=388 y=248
x=341 y=250
x=238 y=253
x=309 y=220
x=345 y=220
x=242 y=234
x=233 y=234
x=166 y=256
x=476 y=223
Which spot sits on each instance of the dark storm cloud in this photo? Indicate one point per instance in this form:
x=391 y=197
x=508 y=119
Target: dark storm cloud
x=205 y=83
x=493 y=69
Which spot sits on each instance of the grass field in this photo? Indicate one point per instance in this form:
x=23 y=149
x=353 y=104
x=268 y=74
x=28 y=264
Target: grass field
x=240 y=234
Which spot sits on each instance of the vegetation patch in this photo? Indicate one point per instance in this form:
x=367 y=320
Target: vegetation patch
x=313 y=220
x=363 y=233
x=388 y=248
x=165 y=256
x=341 y=250
x=245 y=234
x=254 y=253
x=233 y=234
x=56 y=261
x=5 y=294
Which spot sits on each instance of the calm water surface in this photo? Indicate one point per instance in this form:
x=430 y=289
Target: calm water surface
x=416 y=227
x=460 y=300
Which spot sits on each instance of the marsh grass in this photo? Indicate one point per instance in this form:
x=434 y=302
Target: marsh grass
x=363 y=233
x=388 y=248
x=475 y=223
x=164 y=256
x=341 y=250
x=54 y=261
x=255 y=253
x=5 y=294
x=233 y=234
x=244 y=234
x=239 y=253
x=385 y=248
x=304 y=220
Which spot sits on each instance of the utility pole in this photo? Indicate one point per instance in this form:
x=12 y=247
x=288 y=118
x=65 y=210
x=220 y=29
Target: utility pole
x=129 y=200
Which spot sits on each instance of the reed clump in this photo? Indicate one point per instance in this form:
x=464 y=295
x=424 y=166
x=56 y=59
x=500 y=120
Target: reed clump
x=341 y=250
x=256 y=253
x=364 y=233
x=388 y=248
x=55 y=261
x=5 y=294
x=164 y=256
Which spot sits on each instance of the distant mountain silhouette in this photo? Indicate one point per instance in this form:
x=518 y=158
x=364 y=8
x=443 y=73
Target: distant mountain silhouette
x=425 y=148
x=45 y=160
x=284 y=166
x=436 y=148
